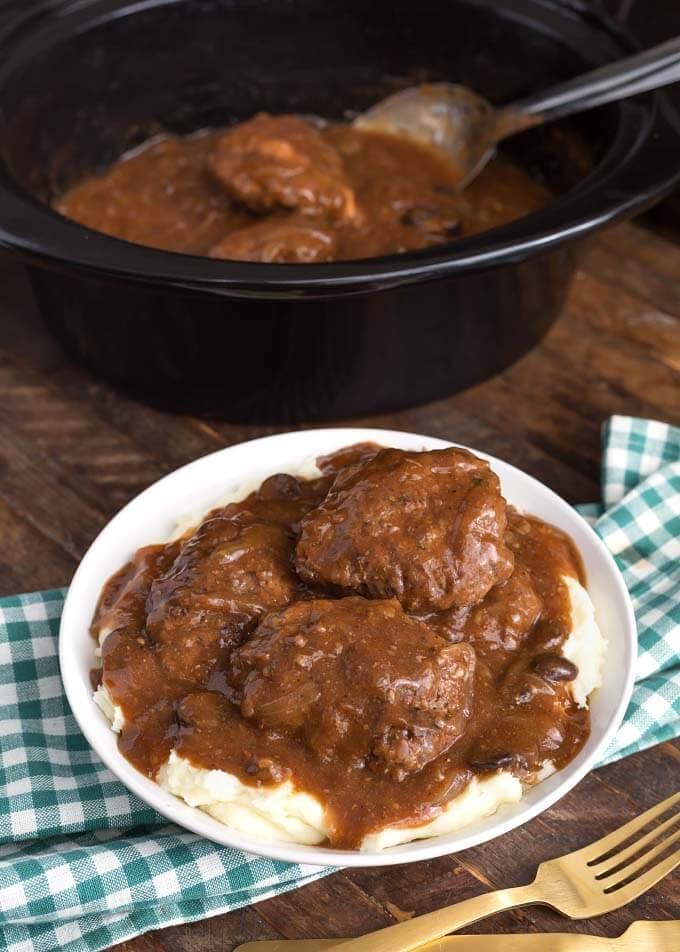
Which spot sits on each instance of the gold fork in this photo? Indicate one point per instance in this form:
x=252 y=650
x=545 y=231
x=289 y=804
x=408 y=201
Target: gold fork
x=640 y=936
x=599 y=878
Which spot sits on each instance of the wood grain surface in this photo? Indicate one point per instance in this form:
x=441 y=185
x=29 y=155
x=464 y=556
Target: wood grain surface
x=72 y=452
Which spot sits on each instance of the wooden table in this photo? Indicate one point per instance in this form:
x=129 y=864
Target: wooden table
x=72 y=452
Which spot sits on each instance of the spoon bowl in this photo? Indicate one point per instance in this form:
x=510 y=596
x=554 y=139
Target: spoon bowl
x=446 y=116
x=466 y=127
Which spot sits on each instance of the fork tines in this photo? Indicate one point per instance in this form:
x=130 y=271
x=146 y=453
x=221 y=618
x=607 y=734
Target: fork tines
x=626 y=857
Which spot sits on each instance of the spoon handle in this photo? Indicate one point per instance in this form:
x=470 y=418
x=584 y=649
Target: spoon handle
x=651 y=69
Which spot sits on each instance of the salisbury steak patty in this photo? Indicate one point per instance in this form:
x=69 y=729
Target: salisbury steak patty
x=426 y=528
x=359 y=681
x=288 y=239
x=274 y=162
x=229 y=572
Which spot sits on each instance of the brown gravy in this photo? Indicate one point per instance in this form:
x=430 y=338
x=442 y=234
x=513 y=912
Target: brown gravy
x=181 y=194
x=232 y=645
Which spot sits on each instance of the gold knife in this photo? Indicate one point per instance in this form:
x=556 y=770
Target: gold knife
x=639 y=937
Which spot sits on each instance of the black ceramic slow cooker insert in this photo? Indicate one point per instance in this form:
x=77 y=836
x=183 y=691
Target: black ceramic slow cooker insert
x=82 y=82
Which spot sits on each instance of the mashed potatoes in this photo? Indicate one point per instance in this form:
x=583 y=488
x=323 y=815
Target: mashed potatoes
x=585 y=646
x=283 y=813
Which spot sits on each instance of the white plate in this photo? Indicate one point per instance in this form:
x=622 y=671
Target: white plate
x=151 y=516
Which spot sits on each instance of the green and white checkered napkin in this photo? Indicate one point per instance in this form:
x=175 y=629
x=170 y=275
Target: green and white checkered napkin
x=84 y=864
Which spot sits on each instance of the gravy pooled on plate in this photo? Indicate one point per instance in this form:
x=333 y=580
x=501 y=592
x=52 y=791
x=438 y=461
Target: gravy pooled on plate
x=280 y=189
x=377 y=636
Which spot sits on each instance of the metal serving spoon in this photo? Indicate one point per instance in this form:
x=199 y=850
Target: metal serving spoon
x=468 y=128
